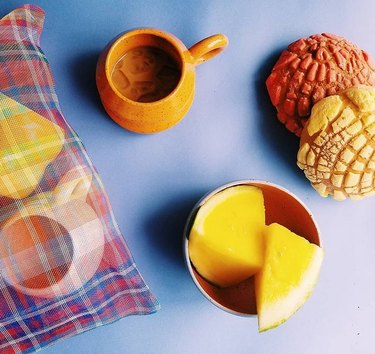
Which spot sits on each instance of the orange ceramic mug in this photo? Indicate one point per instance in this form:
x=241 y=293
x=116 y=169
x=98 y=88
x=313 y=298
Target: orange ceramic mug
x=160 y=114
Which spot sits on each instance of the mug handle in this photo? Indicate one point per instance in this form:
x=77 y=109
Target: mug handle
x=207 y=48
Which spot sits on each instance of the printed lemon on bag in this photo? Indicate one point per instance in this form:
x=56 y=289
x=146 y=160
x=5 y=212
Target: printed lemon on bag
x=29 y=142
x=338 y=143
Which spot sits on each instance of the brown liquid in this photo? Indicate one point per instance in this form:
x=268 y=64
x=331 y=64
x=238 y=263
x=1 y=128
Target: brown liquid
x=146 y=74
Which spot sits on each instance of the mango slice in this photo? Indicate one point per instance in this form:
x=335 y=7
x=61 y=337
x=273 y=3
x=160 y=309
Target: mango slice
x=290 y=272
x=29 y=142
x=225 y=242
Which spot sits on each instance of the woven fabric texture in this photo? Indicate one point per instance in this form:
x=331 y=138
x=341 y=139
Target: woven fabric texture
x=65 y=267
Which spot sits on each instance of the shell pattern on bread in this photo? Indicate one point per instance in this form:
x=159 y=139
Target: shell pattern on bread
x=338 y=143
x=311 y=69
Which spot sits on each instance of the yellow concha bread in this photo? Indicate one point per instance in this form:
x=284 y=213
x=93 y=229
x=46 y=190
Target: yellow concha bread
x=338 y=143
x=29 y=142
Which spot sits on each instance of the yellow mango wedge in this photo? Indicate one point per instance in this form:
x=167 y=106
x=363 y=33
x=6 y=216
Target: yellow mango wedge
x=225 y=241
x=290 y=272
x=29 y=142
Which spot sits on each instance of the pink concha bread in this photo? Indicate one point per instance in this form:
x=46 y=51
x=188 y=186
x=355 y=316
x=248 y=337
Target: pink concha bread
x=311 y=69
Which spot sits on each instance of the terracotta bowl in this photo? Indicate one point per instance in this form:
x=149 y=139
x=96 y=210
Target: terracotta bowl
x=282 y=207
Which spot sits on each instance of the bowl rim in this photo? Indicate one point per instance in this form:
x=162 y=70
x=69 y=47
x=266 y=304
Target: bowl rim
x=191 y=218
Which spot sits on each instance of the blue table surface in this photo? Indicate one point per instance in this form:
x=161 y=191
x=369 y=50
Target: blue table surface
x=230 y=133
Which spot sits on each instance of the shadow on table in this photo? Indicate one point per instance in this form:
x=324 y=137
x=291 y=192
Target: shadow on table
x=83 y=69
x=276 y=137
x=166 y=226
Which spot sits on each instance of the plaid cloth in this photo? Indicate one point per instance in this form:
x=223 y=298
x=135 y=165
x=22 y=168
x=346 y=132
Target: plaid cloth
x=65 y=267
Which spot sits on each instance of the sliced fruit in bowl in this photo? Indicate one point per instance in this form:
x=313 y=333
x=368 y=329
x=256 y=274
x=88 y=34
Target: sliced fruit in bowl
x=244 y=253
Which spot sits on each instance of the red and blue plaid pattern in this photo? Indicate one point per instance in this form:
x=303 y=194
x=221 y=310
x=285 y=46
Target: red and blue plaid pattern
x=27 y=322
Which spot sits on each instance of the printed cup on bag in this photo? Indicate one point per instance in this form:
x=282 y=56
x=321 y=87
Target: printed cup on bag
x=53 y=244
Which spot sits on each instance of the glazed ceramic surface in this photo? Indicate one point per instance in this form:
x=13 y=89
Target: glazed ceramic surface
x=152 y=117
x=281 y=206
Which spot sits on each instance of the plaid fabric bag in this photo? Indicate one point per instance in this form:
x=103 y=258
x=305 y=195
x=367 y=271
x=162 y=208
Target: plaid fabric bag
x=65 y=267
